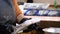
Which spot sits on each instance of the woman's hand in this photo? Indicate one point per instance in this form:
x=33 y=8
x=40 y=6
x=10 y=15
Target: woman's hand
x=20 y=17
x=18 y=11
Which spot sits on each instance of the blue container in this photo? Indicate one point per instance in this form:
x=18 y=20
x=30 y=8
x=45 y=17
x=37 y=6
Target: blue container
x=48 y=12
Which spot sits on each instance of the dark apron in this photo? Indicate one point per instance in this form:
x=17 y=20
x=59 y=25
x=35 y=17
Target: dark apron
x=7 y=16
x=7 y=13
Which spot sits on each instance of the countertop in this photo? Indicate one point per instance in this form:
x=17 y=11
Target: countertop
x=45 y=18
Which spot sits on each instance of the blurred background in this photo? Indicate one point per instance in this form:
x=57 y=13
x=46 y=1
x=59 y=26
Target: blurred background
x=42 y=1
x=49 y=20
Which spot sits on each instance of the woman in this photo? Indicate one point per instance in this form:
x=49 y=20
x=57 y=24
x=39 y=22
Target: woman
x=9 y=14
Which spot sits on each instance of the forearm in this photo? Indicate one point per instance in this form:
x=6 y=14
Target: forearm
x=19 y=13
x=17 y=10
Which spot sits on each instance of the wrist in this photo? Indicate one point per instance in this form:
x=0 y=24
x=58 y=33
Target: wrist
x=20 y=17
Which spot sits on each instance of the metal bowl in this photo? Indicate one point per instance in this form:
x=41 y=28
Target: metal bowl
x=51 y=30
